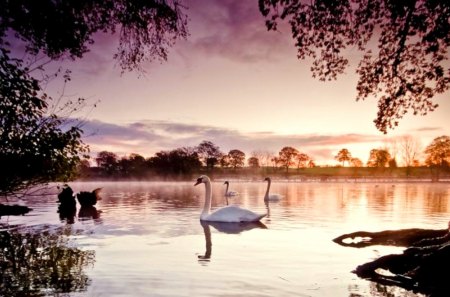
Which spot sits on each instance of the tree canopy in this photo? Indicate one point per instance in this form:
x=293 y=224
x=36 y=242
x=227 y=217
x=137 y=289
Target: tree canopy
x=406 y=70
x=378 y=158
x=36 y=147
x=38 y=142
x=237 y=158
x=209 y=153
x=62 y=29
x=287 y=156
x=438 y=151
x=343 y=155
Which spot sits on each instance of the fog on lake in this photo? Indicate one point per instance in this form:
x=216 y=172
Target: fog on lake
x=146 y=239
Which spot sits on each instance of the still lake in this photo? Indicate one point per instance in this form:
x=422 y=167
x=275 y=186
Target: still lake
x=145 y=239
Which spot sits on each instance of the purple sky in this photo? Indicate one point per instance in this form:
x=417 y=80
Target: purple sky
x=233 y=83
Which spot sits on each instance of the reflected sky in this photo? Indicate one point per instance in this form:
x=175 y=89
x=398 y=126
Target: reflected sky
x=148 y=240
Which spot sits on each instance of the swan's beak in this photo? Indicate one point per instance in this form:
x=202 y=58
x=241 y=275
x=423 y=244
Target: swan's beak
x=199 y=181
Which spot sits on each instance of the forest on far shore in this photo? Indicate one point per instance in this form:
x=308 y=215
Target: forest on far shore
x=207 y=158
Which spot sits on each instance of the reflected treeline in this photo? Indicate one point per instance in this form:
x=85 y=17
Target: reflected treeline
x=34 y=262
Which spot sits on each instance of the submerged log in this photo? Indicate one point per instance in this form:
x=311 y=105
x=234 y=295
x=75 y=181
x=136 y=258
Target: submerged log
x=420 y=268
x=13 y=210
x=402 y=237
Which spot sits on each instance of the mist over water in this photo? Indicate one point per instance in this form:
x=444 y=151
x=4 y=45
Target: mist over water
x=145 y=239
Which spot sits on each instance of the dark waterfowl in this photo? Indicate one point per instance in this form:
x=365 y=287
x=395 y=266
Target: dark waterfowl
x=66 y=197
x=89 y=198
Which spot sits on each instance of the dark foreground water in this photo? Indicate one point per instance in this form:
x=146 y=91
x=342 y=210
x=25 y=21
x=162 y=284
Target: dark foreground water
x=145 y=239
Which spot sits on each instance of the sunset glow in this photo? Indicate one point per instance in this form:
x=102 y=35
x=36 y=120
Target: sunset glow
x=233 y=83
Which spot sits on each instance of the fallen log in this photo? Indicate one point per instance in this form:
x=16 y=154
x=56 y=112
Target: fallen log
x=417 y=269
x=421 y=268
x=13 y=210
x=401 y=238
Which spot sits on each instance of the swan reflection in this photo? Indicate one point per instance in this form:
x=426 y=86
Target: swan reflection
x=266 y=202
x=88 y=212
x=229 y=228
x=67 y=213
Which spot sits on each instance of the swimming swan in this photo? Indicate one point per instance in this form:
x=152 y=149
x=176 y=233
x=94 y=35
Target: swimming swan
x=229 y=193
x=271 y=197
x=227 y=214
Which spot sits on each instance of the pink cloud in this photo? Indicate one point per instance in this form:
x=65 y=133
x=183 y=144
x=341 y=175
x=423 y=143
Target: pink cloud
x=149 y=137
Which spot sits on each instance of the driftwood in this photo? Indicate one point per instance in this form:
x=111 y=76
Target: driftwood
x=13 y=210
x=403 y=237
x=422 y=267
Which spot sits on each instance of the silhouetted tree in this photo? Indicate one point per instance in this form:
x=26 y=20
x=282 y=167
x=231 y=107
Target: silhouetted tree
x=237 y=158
x=224 y=161
x=253 y=162
x=343 y=156
x=392 y=163
x=83 y=168
x=275 y=162
x=287 y=156
x=302 y=159
x=63 y=29
x=133 y=166
x=178 y=161
x=35 y=145
x=438 y=152
x=209 y=153
x=355 y=162
x=406 y=71
x=378 y=158
x=46 y=145
x=107 y=162
x=409 y=150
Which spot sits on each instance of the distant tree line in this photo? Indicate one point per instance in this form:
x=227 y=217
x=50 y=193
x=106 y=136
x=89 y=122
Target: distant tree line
x=207 y=156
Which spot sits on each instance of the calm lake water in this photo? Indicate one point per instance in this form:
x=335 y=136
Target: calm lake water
x=145 y=239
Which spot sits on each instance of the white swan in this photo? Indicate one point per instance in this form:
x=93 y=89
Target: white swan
x=227 y=214
x=229 y=193
x=271 y=197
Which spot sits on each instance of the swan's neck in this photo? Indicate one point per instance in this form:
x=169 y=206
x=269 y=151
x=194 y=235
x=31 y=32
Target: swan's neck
x=267 y=191
x=207 y=206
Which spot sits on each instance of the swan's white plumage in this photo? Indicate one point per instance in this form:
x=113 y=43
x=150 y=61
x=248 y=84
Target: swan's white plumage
x=227 y=214
x=271 y=197
x=232 y=214
x=229 y=193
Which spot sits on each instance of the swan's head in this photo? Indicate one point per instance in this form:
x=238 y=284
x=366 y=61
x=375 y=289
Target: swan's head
x=202 y=179
x=227 y=183
x=267 y=179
